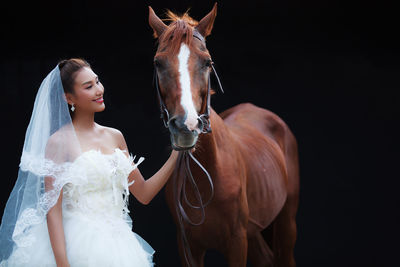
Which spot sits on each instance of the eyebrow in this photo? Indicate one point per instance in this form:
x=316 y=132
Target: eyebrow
x=90 y=81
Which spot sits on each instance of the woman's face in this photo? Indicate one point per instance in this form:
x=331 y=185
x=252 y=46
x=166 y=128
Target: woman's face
x=88 y=92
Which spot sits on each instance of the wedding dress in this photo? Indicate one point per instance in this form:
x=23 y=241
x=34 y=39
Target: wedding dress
x=97 y=227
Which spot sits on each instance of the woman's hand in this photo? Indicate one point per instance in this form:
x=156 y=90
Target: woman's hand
x=66 y=264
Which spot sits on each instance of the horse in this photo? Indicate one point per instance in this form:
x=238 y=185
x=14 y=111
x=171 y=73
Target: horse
x=250 y=154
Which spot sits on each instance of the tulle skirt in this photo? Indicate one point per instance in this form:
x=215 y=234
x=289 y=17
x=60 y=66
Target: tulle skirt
x=89 y=243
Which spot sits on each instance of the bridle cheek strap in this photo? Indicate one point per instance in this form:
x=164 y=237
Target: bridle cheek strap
x=204 y=119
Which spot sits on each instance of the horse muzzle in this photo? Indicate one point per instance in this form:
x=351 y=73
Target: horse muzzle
x=181 y=137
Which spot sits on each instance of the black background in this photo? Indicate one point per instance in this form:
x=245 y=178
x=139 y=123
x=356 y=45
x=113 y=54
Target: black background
x=329 y=69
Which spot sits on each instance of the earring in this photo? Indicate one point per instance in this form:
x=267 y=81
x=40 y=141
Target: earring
x=72 y=108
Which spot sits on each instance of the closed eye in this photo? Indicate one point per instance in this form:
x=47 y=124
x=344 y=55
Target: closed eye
x=158 y=63
x=90 y=86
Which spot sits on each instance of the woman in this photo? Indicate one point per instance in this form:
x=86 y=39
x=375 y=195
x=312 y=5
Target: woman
x=69 y=204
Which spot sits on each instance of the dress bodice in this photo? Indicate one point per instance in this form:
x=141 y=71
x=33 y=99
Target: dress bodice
x=103 y=190
x=96 y=224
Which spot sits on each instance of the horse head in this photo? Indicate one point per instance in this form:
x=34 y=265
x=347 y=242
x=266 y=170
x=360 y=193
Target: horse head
x=182 y=69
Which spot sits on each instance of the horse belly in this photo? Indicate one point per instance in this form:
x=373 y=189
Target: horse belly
x=266 y=182
x=266 y=195
x=258 y=132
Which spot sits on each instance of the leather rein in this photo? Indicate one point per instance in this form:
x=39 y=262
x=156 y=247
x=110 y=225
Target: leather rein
x=180 y=193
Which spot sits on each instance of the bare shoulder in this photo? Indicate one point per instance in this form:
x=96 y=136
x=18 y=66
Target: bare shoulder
x=60 y=144
x=61 y=136
x=54 y=139
x=114 y=133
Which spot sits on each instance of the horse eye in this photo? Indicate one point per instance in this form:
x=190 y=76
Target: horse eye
x=208 y=63
x=157 y=63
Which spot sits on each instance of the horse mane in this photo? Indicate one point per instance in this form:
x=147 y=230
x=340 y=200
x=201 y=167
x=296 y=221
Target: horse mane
x=179 y=30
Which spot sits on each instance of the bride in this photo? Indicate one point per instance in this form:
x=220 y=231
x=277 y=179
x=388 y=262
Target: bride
x=69 y=204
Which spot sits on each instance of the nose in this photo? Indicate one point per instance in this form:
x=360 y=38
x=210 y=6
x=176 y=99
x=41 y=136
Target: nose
x=177 y=125
x=100 y=89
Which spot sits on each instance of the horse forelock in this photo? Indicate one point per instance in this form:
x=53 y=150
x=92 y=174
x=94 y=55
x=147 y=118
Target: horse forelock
x=179 y=31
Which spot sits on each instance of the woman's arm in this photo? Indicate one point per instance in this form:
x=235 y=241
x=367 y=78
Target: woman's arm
x=56 y=233
x=145 y=190
x=54 y=215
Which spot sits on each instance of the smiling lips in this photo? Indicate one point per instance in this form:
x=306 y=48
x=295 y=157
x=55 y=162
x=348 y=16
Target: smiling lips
x=99 y=100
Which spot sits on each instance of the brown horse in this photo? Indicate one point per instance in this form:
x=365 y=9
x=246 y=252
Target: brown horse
x=251 y=155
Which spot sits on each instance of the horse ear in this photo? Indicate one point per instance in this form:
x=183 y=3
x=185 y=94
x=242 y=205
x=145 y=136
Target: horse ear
x=206 y=24
x=156 y=23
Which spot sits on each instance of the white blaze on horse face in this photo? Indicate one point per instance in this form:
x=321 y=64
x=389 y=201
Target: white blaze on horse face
x=184 y=80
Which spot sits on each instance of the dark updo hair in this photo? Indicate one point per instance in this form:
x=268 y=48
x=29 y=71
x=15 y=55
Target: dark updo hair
x=68 y=71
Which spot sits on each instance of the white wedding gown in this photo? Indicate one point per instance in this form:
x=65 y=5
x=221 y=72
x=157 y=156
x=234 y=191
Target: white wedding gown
x=97 y=227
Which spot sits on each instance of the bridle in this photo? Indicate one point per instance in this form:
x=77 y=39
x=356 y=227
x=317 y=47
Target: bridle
x=204 y=119
x=205 y=127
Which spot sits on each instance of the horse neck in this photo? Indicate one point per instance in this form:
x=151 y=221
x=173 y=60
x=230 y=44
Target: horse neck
x=210 y=142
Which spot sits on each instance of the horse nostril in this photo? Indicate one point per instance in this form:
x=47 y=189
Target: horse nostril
x=176 y=123
x=172 y=123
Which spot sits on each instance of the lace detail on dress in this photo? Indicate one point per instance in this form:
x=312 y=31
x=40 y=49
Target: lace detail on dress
x=41 y=172
x=94 y=183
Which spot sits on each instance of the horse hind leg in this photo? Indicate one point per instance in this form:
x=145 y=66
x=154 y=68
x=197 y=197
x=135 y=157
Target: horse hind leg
x=284 y=238
x=259 y=253
x=284 y=230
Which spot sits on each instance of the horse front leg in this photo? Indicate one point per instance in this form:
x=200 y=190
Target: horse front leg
x=236 y=249
x=196 y=250
x=259 y=253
